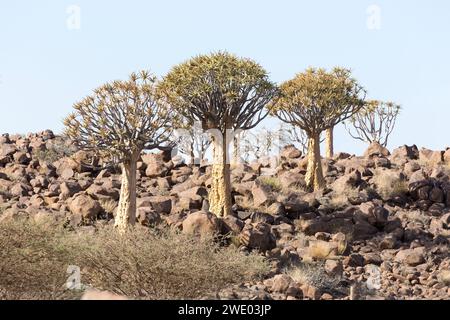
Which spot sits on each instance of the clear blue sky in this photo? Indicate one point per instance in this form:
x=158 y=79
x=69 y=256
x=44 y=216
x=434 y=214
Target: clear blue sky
x=45 y=67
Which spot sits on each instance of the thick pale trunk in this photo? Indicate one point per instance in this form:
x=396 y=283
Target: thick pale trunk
x=220 y=193
x=126 y=211
x=314 y=174
x=329 y=149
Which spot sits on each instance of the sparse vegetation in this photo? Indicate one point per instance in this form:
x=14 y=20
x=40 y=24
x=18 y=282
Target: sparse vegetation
x=314 y=274
x=272 y=182
x=143 y=264
x=59 y=148
x=108 y=205
x=321 y=250
x=389 y=184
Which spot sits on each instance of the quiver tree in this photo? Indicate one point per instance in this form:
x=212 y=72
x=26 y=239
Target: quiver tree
x=226 y=94
x=291 y=134
x=117 y=122
x=375 y=122
x=317 y=100
x=193 y=142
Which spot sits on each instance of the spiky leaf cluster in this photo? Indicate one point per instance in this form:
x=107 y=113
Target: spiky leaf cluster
x=316 y=100
x=220 y=90
x=121 y=118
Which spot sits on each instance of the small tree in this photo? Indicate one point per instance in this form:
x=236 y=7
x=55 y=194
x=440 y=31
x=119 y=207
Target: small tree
x=316 y=100
x=226 y=94
x=374 y=122
x=258 y=144
x=194 y=143
x=117 y=122
x=291 y=134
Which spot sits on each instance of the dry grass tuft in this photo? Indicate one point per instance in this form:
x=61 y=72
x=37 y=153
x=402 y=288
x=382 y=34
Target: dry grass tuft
x=108 y=205
x=322 y=250
x=313 y=274
x=272 y=182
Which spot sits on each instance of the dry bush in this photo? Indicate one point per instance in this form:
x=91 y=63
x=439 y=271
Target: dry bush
x=272 y=182
x=322 y=250
x=56 y=149
x=108 y=205
x=143 y=264
x=415 y=216
x=32 y=264
x=389 y=184
x=314 y=274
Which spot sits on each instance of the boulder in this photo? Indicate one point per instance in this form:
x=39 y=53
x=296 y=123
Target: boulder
x=290 y=152
x=447 y=156
x=103 y=192
x=261 y=195
x=69 y=189
x=84 y=206
x=201 y=224
x=7 y=150
x=376 y=215
x=258 y=236
x=193 y=192
x=160 y=204
x=280 y=283
x=412 y=257
x=376 y=149
x=147 y=217
x=431 y=157
x=406 y=152
x=155 y=165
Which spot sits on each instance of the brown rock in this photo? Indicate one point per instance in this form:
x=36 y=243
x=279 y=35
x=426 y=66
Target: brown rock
x=431 y=157
x=261 y=195
x=375 y=149
x=160 y=204
x=281 y=283
x=202 y=224
x=155 y=165
x=290 y=152
x=147 y=217
x=258 y=236
x=333 y=267
x=447 y=156
x=85 y=206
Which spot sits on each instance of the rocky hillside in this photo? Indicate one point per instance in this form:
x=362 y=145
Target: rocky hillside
x=380 y=230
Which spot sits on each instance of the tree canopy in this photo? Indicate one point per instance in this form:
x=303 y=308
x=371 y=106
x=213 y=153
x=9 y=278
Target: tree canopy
x=316 y=100
x=121 y=118
x=220 y=90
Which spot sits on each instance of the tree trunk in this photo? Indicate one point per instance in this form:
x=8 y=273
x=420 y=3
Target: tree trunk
x=220 y=193
x=314 y=175
x=126 y=211
x=329 y=152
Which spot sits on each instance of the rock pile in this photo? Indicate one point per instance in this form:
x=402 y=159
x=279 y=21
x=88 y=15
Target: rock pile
x=383 y=216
